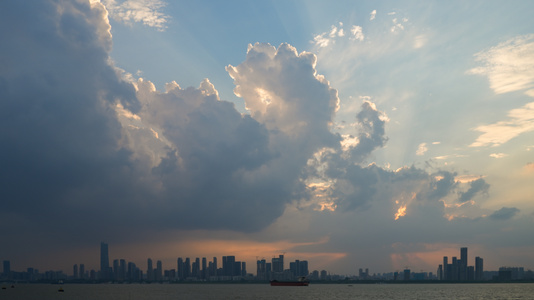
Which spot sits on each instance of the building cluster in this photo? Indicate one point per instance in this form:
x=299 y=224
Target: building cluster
x=276 y=270
x=186 y=270
x=229 y=269
x=459 y=270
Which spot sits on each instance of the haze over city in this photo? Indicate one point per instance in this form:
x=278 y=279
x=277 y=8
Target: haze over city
x=348 y=134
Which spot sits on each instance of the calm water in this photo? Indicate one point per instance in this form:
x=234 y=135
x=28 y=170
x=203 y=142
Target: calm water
x=264 y=291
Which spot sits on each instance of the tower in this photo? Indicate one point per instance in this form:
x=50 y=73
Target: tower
x=463 y=264
x=479 y=268
x=149 y=270
x=104 y=261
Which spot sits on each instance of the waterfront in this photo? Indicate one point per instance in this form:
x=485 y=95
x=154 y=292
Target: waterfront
x=264 y=291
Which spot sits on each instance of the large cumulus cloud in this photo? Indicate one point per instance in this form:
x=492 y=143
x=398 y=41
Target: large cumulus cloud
x=92 y=155
x=84 y=147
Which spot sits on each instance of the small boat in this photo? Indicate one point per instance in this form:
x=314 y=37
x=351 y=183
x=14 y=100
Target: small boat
x=302 y=281
x=61 y=290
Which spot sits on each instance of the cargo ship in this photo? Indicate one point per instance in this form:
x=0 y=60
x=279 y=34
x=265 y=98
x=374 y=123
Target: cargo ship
x=302 y=281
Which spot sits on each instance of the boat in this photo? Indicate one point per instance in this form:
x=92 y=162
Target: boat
x=302 y=281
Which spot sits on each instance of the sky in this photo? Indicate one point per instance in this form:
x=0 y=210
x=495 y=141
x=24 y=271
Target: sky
x=352 y=134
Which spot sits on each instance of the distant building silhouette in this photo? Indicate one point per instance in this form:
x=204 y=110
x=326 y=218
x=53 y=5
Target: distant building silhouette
x=105 y=272
x=479 y=268
x=459 y=270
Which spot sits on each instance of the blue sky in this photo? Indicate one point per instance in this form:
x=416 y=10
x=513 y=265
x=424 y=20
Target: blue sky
x=349 y=133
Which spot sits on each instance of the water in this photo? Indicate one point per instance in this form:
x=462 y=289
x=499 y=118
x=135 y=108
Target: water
x=264 y=291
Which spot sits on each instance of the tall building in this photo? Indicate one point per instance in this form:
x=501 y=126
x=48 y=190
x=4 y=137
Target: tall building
x=159 y=271
x=479 y=268
x=278 y=264
x=104 y=261
x=115 y=269
x=204 y=271
x=75 y=271
x=445 y=265
x=82 y=271
x=187 y=268
x=149 y=270
x=260 y=270
x=462 y=265
x=122 y=269
x=180 y=269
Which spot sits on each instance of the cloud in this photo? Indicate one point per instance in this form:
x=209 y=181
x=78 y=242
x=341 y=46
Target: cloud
x=326 y=38
x=147 y=12
x=357 y=33
x=422 y=149
x=504 y=213
x=509 y=66
x=521 y=120
x=397 y=25
x=498 y=155
x=476 y=187
x=372 y=15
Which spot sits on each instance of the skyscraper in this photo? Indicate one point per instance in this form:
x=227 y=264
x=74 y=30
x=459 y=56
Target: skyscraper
x=82 y=271
x=479 y=268
x=104 y=261
x=159 y=271
x=149 y=270
x=463 y=264
x=180 y=268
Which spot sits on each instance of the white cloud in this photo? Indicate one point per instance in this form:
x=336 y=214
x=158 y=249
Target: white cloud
x=509 y=65
x=372 y=15
x=397 y=25
x=147 y=12
x=321 y=40
x=521 y=120
x=422 y=149
x=498 y=155
x=357 y=33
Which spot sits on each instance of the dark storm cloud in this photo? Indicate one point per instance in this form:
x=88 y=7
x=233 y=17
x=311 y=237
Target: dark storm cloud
x=476 y=187
x=92 y=156
x=61 y=155
x=504 y=213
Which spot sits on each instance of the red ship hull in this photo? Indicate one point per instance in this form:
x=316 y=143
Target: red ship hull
x=289 y=283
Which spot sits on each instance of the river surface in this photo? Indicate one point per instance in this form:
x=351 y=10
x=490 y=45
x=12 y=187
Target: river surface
x=265 y=291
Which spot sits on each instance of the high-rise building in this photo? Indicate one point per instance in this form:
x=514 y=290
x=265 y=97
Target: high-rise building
x=462 y=265
x=122 y=270
x=278 y=264
x=104 y=261
x=82 y=271
x=159 y=271
x=407 y=274
x=479 y=268
x=115 y=269
x=187 y=268
x=204 y=270
x=75 y=271
x=180 y=269
x=260 y=270
x=445 y=265
x=150 y=270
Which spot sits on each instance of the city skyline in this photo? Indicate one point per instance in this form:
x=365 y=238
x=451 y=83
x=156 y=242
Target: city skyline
x=345 y=134
x=200 y=269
